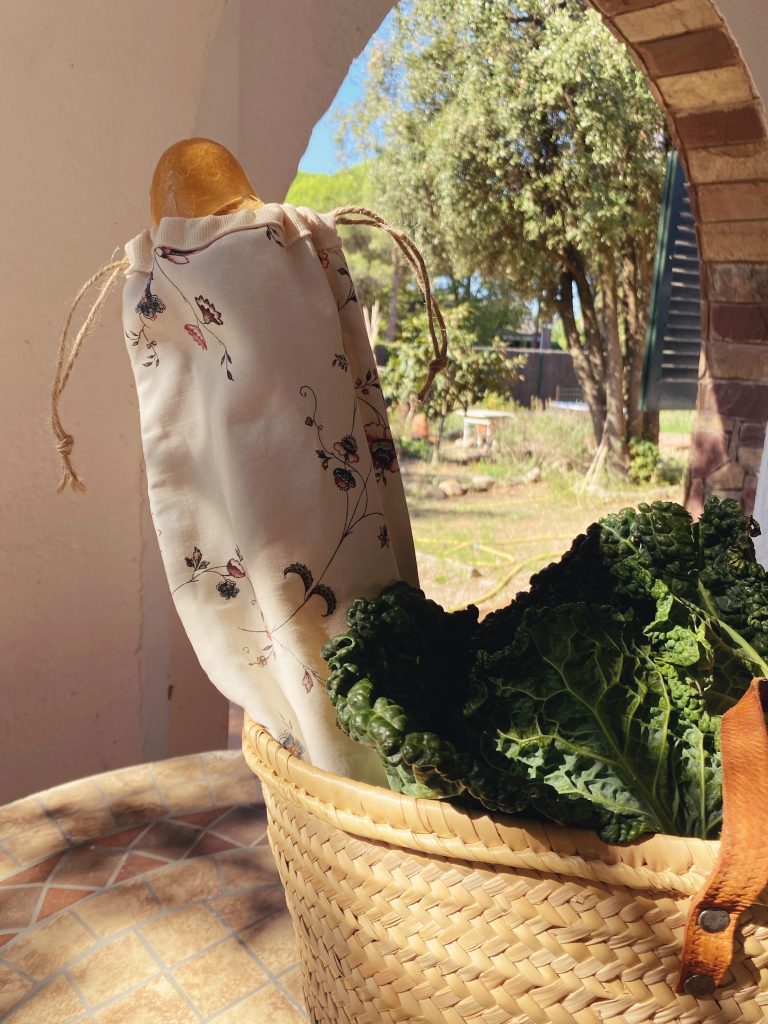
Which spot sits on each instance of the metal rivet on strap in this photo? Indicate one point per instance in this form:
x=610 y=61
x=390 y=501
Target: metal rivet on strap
x=699 y=985
x=714 y=919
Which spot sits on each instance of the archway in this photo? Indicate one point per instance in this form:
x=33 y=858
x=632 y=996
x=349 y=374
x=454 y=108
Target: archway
x=717 y=122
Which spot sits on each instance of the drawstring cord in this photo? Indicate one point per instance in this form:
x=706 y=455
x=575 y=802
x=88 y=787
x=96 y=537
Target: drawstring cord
x=64 y=441
x=360 y=215
x=343 y=215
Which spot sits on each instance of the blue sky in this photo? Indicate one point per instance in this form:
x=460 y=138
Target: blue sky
x=322 y=155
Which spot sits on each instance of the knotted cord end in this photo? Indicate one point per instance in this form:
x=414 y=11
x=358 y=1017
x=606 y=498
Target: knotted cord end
x=435 y=366
x=64 y=447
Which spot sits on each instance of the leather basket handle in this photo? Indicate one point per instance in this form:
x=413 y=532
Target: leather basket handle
x=741 y=870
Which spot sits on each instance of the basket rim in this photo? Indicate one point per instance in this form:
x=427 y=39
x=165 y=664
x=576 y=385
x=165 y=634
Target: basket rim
x=659 y=863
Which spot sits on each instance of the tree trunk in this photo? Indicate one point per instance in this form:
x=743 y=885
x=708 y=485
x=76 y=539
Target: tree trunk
x=617 y=456
x=393 y=294
x=641 y=423
x=584 y=368
x=438 y=440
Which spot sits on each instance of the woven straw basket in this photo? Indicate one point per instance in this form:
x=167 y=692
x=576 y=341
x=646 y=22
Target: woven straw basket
x=415 y=910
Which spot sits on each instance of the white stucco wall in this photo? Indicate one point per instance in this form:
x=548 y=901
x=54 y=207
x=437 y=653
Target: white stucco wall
x=93 y=93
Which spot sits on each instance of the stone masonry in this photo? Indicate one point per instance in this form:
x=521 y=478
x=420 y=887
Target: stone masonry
x=717 y=122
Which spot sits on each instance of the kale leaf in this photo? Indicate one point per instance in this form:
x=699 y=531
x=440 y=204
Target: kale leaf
x=593 y=699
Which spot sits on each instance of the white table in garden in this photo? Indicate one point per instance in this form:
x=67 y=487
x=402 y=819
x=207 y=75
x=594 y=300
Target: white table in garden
x=480 y=426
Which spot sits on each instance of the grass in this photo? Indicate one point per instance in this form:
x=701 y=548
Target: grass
x=676 y=421
x=483 y=548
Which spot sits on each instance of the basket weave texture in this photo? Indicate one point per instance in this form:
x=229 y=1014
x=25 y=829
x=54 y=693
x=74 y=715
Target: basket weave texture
x=419 y=911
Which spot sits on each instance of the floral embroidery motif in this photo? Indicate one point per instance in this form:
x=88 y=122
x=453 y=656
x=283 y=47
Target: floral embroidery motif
x=288 y=740
x=322 y=255
x=341 y=361
x=151 y=305
x=229 y=573
x=172 y=255
x=382 y=449
x=208 y=311
x=343 y=479
x=351 y=293
x=384 y=537
x=197 y=334
x=347 y=448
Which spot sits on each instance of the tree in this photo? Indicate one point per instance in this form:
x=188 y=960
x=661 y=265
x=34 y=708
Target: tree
x=374 y=263
x=516 y=140
x=473 y=372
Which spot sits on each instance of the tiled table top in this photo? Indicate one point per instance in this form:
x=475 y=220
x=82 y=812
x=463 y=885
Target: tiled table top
x=145 y=896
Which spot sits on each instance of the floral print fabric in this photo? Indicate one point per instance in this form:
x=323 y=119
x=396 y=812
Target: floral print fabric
x=272 y=473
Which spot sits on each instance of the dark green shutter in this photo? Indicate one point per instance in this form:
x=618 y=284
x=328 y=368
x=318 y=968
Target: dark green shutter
x=673 y=339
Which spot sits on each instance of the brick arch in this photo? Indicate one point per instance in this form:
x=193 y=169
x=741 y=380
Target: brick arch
x=717 y=121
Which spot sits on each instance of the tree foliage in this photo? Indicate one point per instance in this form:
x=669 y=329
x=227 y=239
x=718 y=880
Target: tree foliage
x=474 y=370
x=517 y=141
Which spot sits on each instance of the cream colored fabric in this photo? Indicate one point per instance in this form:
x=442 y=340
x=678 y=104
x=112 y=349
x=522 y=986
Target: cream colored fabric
x=272 y=476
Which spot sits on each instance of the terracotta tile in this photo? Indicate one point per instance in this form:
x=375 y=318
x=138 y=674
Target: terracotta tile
x=87 y=865
x=8 y=866
x=168 y=839
x=202 y=818
x=111 y=969
x=122 y=839
x=56 y=1003
x=694 y=51
x=72 y=797
x=226 y=764
x=248 y=867
x=117 y=908
x=57 y=899
x=158 y=1003
x=246 y=908
x=178 y=770
x=20 y=815
x=720 y=127
x=126 y=782
x=244 y=825
x=18 y=905
x=37 y=873
x=292 y=981
x=87 y=825
x=141 y=809
x=219 y=976
x=41 y=840
x=187 y=796
x=268 y=1004
x=273 y=941
x=6 y=937
x=717 y=87
x=668 y=19
x=12 y=987
x=186 y=882
x=209 y=843
x=237 y=791
x=48 y=946
x=183 y=933
x=138 y=864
